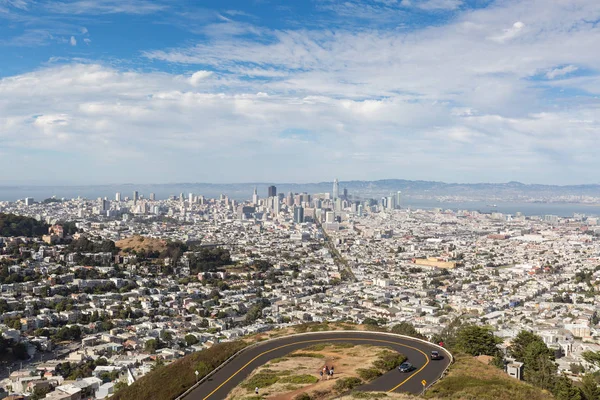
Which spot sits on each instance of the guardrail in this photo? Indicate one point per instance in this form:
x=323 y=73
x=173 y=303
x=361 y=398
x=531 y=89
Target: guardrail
x=257 y=344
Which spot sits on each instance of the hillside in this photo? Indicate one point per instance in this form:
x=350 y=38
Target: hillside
x=141 y=244
x=14 y=225
x=467 y=379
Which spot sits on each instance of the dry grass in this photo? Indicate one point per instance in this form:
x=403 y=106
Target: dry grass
x=346 y=359
x=470 y=379
x=141 y=243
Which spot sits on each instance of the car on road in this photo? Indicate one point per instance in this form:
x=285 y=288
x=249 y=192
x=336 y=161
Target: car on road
x=406 y=367
x=435 y=355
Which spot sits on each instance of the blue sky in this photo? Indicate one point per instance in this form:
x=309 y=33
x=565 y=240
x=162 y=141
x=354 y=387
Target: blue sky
x=112 y=91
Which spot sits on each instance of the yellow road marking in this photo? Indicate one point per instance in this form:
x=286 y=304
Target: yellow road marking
x=325 y=340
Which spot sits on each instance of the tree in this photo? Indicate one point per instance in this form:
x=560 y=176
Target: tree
x=565 y=390
x=477 y=340
x=20 y=351
x=539 y=368
x=449 y=334
x=151 y=345
x=191 y=340
x=593 y=357
x=407 y=329
x=370 y=321
x=520 y=343
x=589 y=387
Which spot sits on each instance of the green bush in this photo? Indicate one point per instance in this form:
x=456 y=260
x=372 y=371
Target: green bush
x=261 y=380
x=310 y=355
x=368 y=374
x=302 y=396
x=345 y=384
x=388 y=360
x=299 y=379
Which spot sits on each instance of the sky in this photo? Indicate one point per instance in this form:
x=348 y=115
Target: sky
x=135 y=91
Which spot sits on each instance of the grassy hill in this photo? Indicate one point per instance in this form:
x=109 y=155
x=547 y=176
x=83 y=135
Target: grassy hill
x=468 y=379
x=141 y=244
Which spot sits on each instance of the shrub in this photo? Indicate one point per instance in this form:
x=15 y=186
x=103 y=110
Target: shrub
x=388 y=360
x=310 y=355
x=261 y=380
x=299 y=379
x=368 y=374
x=302 y=396
x=345 y=384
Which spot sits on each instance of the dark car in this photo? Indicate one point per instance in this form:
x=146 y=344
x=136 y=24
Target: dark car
x=435 y=355
x=406 y=367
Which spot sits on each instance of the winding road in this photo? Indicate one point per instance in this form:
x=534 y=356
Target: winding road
x=217 y=385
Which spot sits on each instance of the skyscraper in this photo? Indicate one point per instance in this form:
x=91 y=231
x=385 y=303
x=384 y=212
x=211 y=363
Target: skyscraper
x=152 y=197
x=118 y=196
x=336 y=189
x=272 y=191
x=135 y=196
x=398 y=196
x=298 y=215
x=255 y=197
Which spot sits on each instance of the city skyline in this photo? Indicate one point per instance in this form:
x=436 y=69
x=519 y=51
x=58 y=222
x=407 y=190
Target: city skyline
x=449 y=90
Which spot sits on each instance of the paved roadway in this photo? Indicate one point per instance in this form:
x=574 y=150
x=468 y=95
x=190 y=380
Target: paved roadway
x=223 y=381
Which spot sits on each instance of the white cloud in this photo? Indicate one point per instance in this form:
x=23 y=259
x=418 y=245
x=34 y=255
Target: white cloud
x=73 y=41
x=104 y=7
x=510 y=33
x=87 y=41
x=556 y=72
x=83 y=30
x=199 y=76
x=388 y=101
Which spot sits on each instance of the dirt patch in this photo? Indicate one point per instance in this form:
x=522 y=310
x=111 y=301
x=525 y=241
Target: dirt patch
x=141 y=243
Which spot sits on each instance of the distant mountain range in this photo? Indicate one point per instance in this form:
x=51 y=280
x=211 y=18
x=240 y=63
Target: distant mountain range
x=511 y=191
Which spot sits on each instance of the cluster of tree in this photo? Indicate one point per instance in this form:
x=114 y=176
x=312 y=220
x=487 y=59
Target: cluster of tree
x=84 y=245
x=7 y=278
x=84 y=369
x=539 y=366
x=14 y=225
x=19 y=350
x=70 y=333
x=209 y=259
x=407 y=329
x=255 y=312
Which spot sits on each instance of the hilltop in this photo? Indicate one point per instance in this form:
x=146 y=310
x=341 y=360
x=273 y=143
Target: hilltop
x=141 y=244
x=467 y=379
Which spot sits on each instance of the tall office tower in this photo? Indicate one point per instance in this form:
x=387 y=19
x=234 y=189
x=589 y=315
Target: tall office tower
x=191 y=198
x=360 y=210
x=391 y=202
x=298 y=215
x=152 y=197
x=272 y=191
x=255 y=197
x=383 y=202
x=104 y=205
x=336 y=189
x=338 y=204
x=298 y=199
x=329 y=217
x=181 y=198
x=201 y=199
x=29 y=201
x=353 y=207
x=345 y=194
x=290 y=199
x=276 y=207
x=135 y=196
x=118 y=196
x=398 y=198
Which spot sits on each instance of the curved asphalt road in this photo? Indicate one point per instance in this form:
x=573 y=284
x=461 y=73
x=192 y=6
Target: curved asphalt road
x=224 y=380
